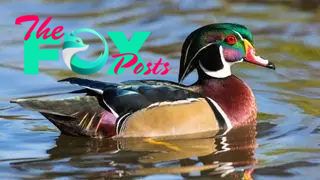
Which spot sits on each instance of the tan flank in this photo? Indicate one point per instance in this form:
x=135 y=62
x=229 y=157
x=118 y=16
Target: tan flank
x=165 y=119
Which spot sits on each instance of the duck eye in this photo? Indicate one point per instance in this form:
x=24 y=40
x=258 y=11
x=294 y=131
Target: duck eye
x=231 y=39
x=77 y=41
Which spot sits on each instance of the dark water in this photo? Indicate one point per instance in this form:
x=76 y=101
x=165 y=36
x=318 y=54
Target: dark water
x=285 y=143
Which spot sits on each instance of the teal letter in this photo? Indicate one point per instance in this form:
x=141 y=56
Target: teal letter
x=32 y=53
x=125 y=46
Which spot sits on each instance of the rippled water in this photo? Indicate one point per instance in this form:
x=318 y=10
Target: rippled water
x=285 y=143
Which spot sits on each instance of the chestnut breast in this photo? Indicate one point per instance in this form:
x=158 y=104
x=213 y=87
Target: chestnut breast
x=234 y=97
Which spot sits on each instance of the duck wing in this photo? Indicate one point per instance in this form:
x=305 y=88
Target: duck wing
x=130 y=96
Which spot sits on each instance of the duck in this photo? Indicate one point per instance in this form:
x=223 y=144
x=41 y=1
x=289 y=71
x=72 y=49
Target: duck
x=217 y=101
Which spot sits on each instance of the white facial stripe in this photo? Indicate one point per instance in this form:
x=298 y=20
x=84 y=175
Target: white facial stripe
x=238 y=34
x=196 y=56
x=200 y=51
x=185 y=57
x=221 y=73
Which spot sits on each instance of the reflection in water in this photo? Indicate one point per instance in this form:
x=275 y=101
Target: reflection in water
x=208 y=156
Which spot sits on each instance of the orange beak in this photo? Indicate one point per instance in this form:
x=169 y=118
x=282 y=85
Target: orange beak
x=252 y=58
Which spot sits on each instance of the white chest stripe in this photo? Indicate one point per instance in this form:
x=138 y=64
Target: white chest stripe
x=119 y=121
x=223 y=114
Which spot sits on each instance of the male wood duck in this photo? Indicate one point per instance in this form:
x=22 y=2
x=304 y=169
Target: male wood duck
x=153 y=108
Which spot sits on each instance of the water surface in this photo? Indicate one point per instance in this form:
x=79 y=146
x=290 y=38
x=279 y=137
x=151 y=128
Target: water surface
x=285 y=143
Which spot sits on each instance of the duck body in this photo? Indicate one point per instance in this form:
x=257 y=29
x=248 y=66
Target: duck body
x=149 y=108
x=154 y=108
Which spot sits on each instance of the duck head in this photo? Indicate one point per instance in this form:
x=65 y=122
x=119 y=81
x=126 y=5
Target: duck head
x=214 y=48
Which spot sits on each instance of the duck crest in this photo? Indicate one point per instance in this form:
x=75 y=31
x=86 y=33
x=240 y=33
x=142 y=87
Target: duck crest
x=234 y=97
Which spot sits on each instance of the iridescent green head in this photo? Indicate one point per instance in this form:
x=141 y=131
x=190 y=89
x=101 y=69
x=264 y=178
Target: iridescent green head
x=212 y=49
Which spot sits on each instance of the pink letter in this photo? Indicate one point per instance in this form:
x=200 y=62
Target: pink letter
x=133 y=61
x=25 y=18
x=46 y=31
x=167 y=70
x=136 y=69
x=156 y=65
x=149 y=69
x=55 y=31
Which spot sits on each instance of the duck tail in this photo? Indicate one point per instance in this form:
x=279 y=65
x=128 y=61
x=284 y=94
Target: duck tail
x=77 y=116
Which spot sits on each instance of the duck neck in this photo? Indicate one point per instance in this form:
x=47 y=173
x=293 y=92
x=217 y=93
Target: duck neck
x=232 y=95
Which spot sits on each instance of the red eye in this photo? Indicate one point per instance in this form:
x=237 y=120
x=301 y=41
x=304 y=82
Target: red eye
x=231 y=39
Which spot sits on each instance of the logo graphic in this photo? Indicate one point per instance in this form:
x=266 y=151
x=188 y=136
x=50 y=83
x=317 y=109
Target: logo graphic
x=128 y=57
x=73 y=44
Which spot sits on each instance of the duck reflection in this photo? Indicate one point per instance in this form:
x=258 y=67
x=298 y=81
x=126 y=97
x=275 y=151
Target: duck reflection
x=211 y=154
